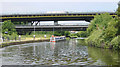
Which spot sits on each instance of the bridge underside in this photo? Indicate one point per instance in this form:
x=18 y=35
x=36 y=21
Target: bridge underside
x=88 y=19
x=53 y=16
x=50 y=28
x=34 y=19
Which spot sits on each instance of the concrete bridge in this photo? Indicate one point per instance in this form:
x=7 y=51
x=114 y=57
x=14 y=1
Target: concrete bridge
x=52 y=28
x=25 y=29
x=31 y=18
x=34 y=21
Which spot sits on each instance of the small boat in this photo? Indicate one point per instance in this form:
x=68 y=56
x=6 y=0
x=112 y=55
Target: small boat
x=57 y=38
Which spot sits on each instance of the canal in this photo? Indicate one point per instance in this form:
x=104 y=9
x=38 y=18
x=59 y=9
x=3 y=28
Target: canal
x=69 y=52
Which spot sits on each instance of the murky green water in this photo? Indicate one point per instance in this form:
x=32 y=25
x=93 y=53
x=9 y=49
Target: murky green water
x=70 y=52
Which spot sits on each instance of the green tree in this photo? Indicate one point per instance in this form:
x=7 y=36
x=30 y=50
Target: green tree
x=61 y=33
x=9 y=27
x=103 y=31
x=67 y=33
x=118 y=20
x=111 y=30
x=82 y=34
x=99 y=22
x=57 y=33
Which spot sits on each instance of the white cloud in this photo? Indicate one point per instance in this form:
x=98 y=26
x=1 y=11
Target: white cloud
x=60 y=0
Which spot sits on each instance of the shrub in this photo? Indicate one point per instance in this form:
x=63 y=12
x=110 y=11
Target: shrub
x=116 y=42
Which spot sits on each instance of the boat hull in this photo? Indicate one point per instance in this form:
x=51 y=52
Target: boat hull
x=58 y=38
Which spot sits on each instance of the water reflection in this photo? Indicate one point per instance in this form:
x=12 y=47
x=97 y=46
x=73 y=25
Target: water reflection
x=52 y=45
x=104 y=56
x=70 y=52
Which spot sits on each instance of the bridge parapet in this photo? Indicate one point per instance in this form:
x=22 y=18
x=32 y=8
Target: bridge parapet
x=52 y=17
x=53 y=27
x=47 y=26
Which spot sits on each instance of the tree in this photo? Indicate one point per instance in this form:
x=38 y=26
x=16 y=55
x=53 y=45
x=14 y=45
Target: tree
x=82 y=34
x=118 y=19
x=8 y=27
x=102 y=30
x=99 y=22
x=111 y=30
x=67 y=33
x=61 y=33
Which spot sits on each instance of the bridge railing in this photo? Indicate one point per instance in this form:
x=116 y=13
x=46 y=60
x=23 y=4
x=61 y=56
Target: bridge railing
x=51 y=25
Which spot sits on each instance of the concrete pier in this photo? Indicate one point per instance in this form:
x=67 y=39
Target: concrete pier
x=55 y=23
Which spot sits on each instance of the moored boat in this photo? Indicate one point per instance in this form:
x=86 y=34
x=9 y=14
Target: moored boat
x=57 y=38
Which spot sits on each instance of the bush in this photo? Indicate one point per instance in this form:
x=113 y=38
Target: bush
x=95 y=38
x=103 y=32
x=82 y=34
x=116 y=42
x=99 y=22
x=10 y=37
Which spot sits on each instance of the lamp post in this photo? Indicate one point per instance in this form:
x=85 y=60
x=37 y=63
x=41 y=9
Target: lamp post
x=34 y=33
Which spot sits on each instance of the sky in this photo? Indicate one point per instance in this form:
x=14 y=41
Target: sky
x=43 y=6
x=59 y=0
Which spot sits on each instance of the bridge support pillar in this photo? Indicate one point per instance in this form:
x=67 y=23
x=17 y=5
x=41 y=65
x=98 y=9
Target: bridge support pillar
x=36 y=23
x=55 y=22
x=32 y=23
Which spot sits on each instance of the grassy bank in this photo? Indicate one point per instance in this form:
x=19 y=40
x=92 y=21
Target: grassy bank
x=14 y=39
x=5 y=44
x=26 y=39
x=8 y=38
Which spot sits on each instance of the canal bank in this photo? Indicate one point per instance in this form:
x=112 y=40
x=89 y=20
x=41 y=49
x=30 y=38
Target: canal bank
x=5 y=44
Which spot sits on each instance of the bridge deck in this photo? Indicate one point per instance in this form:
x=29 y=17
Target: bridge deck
x=51 y=28
x=51 y=17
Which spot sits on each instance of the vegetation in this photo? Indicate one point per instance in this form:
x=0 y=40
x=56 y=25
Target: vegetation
x=103 y=32
x=82 y=34
x=118 y=20
x=8 y=30
x=61 y=33
x=56 y=33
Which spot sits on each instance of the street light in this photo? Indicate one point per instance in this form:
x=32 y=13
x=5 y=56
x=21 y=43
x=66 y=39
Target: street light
x=34 y=33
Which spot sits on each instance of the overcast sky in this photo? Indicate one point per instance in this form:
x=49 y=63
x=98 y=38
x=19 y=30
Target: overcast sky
x=43 y=7
x=60 y=0
x=39 y=6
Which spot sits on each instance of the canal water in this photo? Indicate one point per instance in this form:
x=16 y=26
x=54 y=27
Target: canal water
x=69 y=52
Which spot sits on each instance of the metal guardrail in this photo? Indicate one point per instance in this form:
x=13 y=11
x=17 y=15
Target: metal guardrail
x=51 y=25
